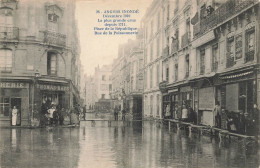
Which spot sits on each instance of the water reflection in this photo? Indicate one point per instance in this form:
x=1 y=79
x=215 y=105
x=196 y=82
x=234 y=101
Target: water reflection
x=143 y=144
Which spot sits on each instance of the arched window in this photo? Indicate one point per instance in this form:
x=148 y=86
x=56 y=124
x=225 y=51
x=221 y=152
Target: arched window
x=6 y=60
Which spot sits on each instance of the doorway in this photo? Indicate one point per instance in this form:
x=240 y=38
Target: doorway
x=17 y=102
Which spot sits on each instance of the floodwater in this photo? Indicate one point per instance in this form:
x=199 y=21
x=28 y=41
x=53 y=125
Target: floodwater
x=138 y=145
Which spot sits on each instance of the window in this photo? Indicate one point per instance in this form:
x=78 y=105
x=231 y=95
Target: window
x=6 y=18
x=158 y=21
x=214 y=66
x=157 y=75
x=145 y=56
x=250 y=45
x=238 y=47
x=110 y=87
x=168 y=12
x=103 y=96
x=151 y=77
x=4 y=106
x=158 y=47
x=176 y=72
x=52 y=64
x=53 y=22
x=202 y=61
x=103 y=77
x=167 y=73
x=6 y=60
x=145 y=79
x=151 y=29
x=187 y=65
x=157 y=103
x=151 y=106
x=151 y=49
x=230 y=52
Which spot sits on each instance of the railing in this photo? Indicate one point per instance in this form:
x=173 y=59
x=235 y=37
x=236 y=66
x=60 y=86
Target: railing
x=166 y=51
x=9 y=33
x=250 y=56
x=185 y=40
x=214 y=66
x=202 y=69
x=54 y=38
x=175 y=46
x=221 y=14
x=230 y=60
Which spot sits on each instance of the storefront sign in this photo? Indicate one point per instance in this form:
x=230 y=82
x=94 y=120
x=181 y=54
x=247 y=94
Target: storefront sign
x=173 y=90
x=52 y=87
x=13 y=85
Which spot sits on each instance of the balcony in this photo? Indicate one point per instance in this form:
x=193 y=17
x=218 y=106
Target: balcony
x=214 y=66
x=185 y=40
x=250 y=56
x=221 y=14
x=202 y=69
x=9 y=33
x=166 y=51
x=174 y=46
x=52 y=38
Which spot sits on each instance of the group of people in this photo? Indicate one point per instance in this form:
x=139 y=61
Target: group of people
x=243 y=123
x=52 y=115
x=183 y=113
x=116 y=113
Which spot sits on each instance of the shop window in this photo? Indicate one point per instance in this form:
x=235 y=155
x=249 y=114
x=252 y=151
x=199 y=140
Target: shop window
x=214 y=64
x=52 y=99
x=52 y=64
x=230 y=52
x=250 y=45
x=6 y=60
x=4 y=106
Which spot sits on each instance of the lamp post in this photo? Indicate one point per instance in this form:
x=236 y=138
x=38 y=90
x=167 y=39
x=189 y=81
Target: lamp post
x=36 y=75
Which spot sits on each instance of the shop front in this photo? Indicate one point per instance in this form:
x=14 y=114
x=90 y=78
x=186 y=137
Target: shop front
x=51 y=94
x=14 y=93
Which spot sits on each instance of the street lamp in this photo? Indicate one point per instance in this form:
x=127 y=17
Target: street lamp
x=36 y=75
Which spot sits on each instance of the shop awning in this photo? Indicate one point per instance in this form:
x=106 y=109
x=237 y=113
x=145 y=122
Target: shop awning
x=236 y=75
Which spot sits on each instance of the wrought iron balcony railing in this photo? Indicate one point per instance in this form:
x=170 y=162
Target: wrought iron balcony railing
x=9 y=33
x=185 y=40
x=225 y=11
x=250 y=56
x=175 y=46
x=54 y=38
x=214 y=66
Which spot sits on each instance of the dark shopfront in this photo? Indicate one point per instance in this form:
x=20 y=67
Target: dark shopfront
x=237 y=95
x=51 y=94
x=13 y=93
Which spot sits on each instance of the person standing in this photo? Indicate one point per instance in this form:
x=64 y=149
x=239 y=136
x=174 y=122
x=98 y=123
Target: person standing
x=14 y=115
x=51 y=111
x=84 y=112
x=116 y=113
x=216 y=112
x=123 y=114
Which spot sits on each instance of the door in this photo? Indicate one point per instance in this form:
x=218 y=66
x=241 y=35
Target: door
x=17 y=102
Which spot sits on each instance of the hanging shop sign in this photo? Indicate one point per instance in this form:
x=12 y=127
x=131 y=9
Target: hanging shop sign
x=52 y=87
x=13 y=85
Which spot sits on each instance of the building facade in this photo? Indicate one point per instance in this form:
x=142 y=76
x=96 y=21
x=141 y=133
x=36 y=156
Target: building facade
x=90 y=92
x=212 y=58
x=39 y=53
x=103 y=87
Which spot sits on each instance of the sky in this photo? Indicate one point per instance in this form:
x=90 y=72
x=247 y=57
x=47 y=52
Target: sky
x=102 y=49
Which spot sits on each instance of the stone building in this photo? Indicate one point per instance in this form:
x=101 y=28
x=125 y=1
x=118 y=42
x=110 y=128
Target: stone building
x=90 y=92
x=103 y=87
x=39 y=57
x=213 y=57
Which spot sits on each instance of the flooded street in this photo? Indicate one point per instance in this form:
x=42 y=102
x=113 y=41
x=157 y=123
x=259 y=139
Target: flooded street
x=142 y=144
